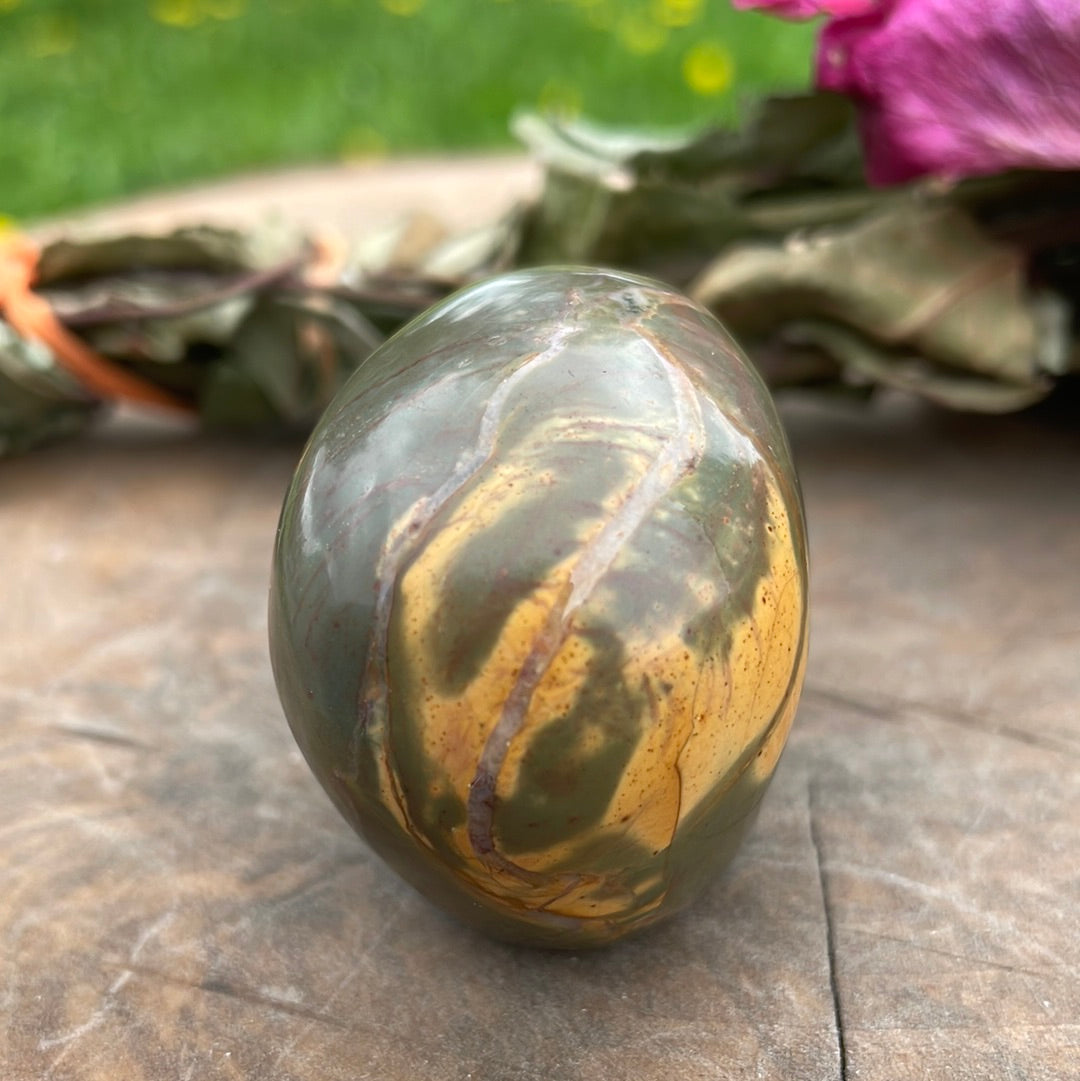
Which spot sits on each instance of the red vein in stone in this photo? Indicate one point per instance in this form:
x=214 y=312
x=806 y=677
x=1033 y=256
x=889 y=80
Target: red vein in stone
x=409 y=529
x=678 y=456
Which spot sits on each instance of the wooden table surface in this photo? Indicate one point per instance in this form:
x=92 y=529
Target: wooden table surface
x=178 y=899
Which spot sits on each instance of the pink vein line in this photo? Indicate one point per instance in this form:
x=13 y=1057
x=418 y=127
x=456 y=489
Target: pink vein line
x=409 y=528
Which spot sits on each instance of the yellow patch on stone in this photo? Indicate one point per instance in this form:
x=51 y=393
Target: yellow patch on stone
x=705 y=714
x=708 y=713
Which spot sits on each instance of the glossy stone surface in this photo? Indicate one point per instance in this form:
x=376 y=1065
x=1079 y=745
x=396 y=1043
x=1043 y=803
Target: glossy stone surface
x=538 y=612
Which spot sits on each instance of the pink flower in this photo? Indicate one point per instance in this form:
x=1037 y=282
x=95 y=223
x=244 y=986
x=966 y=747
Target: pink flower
x=807 y=9
x=956 y=87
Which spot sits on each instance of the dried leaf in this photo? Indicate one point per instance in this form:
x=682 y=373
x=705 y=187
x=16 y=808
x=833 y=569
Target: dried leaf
x=168 y=341
x=293 y=353
x=923 y=279
x=197 y=247
x=39 y=402
x=665 y=206
x=868 y=360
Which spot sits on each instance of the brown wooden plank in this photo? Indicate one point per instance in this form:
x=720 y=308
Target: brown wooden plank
x=940 y=734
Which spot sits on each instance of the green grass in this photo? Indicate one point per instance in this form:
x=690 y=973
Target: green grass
x=104 y=98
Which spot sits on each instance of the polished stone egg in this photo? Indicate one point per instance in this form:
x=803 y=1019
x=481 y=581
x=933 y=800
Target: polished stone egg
x=538 y=615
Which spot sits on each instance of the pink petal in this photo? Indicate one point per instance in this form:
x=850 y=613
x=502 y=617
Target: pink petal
x=807 y=9
x=960 y=87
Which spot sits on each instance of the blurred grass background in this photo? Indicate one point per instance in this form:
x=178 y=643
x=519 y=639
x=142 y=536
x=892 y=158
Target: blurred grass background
x=100 y=99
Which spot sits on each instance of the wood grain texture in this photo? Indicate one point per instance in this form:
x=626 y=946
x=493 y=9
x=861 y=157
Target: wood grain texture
x=179 y=900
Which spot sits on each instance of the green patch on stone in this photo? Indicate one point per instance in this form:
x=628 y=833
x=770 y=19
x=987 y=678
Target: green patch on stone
x=563 y=790
x=730 y=506
x=629 y=862
x=487 y=580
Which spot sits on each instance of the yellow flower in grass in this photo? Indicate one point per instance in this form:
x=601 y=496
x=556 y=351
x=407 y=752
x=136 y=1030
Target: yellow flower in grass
x=676 y=13
x=179 y=13
x=708 y=68
x=9 y=5
x=187 y=13
x=402 y=7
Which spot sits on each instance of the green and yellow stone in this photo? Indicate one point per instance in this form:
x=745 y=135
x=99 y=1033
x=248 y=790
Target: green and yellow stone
x=538 y=615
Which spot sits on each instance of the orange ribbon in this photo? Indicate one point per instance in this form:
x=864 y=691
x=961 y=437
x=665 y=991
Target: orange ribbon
x=32 y=317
